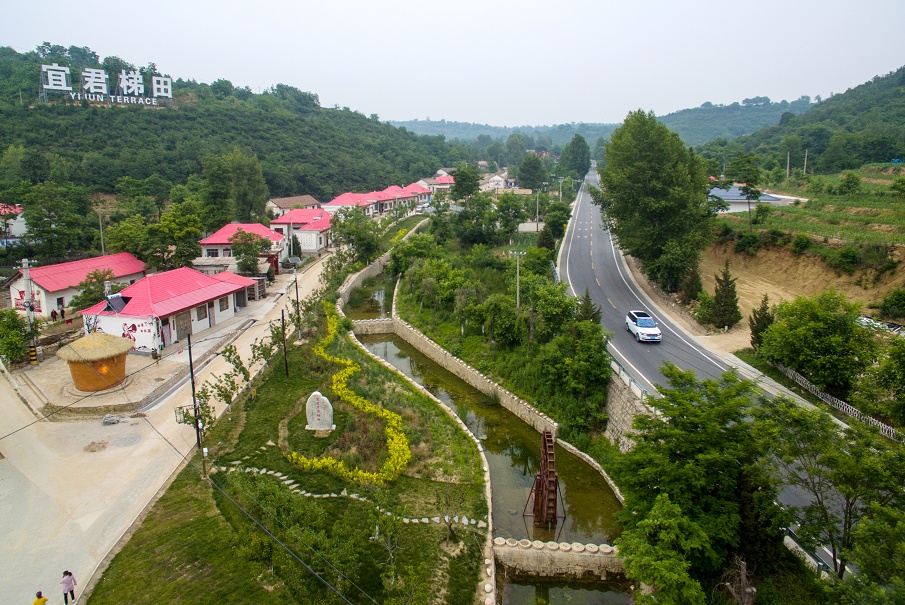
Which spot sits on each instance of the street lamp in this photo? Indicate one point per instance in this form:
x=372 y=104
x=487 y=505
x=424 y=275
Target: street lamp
x=518 y=284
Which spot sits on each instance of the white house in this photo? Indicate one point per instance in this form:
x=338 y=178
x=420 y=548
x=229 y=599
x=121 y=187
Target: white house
x=12 y=223
x=737 y=201
x=164 y=308
x=365 y=201
x=311 y=227
x=217 y=245
x=53 y=286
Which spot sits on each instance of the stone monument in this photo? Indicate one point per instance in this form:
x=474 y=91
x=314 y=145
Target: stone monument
x=320 y=415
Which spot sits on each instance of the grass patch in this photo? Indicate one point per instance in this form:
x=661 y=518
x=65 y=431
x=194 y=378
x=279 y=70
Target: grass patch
x=185 y=552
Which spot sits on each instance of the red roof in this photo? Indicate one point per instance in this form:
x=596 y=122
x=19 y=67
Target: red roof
x=305 y=219
x=221 y=237
x=445 y=180
x=6 y=209
x=54 y=278
x=168 y=293
x=352 y=199
x=416 y=189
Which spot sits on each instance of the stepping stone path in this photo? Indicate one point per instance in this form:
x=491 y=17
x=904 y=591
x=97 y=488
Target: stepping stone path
x=293 y=486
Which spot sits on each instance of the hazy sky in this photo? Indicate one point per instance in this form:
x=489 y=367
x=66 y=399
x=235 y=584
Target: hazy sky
x=500 y=62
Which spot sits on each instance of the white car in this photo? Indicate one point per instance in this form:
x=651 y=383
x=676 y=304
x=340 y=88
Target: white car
x=643 y=326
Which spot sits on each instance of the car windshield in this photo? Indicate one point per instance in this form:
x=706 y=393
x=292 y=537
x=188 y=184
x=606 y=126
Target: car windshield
x=646 y=322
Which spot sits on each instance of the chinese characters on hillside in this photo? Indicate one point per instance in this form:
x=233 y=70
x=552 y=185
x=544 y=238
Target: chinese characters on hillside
x=130 y=87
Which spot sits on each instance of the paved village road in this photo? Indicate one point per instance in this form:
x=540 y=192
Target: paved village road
x=63 y=507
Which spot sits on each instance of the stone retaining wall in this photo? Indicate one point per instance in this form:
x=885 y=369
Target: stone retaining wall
x=558 y=559
x=373 y=326
x=624 y=402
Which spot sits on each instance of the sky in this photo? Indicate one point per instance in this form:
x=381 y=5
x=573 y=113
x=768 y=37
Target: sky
x=497 y=62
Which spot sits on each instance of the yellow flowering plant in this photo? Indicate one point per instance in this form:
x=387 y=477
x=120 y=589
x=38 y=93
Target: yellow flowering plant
x=397 y=442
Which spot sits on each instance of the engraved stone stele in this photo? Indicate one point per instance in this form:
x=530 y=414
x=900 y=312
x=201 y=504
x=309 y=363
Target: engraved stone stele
x=319 y=413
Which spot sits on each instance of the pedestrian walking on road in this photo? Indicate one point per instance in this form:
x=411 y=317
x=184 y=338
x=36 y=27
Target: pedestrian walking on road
x=62 y=313
x=53 y=315
x=39 y=600
x=68 y=582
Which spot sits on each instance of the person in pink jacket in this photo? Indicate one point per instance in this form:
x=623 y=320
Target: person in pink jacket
x=68 y=582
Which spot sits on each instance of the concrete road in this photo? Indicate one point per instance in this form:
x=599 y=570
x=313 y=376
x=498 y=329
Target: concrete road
x=63 y=506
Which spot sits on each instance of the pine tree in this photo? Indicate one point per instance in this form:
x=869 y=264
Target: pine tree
x=545 y=239
x=724 y=313
x=760 y=319
x=587 y=310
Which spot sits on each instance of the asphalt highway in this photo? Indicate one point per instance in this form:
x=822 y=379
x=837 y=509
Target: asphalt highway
x=590 y=259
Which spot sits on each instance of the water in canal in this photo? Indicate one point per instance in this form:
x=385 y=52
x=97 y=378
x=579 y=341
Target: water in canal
x=513 y=454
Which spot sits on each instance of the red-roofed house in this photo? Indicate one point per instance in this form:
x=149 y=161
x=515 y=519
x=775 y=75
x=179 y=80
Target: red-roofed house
x=217 y=245
x=164 y=308
x=438 y=183
x=365 y=201
x=310 y=226
x=53 y=286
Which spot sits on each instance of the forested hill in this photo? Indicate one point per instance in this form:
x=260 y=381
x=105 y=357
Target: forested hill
x=864 y=124
x=707 y=122
x=695 y=126
x=302 y=147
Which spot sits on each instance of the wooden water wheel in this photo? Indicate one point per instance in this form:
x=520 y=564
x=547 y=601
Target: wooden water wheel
x=546 y=484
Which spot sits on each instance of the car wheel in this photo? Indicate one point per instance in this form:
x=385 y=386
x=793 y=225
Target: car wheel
x=626 y=327
x=638 y=336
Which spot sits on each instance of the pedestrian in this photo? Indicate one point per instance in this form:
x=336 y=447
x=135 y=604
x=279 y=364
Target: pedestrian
x=68 y=582
x=53 y=315
x=39 y=600
x=62 y=313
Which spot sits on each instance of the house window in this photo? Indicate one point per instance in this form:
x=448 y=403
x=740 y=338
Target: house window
x=224 y=303
x=227 y=252
x=201 y=312
x=212 y=253
x=278 y=230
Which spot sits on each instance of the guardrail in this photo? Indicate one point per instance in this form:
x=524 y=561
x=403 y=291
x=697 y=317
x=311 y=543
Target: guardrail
x=628 y=379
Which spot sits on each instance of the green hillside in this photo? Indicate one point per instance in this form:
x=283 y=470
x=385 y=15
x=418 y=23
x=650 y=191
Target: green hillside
x=302 y=147
x=865 y=124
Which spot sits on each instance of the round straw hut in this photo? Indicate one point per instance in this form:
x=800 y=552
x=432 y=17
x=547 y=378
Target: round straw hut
x=97 y=361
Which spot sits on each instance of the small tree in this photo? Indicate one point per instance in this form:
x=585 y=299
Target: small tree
x=545 y=239
x=14 y=336
x=849 y=183
x=247 y=247
x=467 y=182
x=587 y=310
x=760 y=319
x=92 y=289
x=745 y=169
x=724 y=312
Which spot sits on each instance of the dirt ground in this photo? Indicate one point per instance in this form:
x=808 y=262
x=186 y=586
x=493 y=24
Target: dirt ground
x=779 y=274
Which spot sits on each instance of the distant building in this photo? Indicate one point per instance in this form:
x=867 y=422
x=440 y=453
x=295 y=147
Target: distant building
x=12 y=223
x=736 y=199
x=53 y=286
x=281 y=205
x=439 y=183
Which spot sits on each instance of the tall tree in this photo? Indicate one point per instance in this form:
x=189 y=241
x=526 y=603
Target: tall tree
x=724 y=312
x=761 y=318
x=56 y=219
x=173 y=242
x=843 y=472
x=531 y=173
x=699 y=450
x=247 y=247
x=576 y=157
x=357 y=233
x=655 y=189
x=91 y=289
x=467 y=182
x=248 y=191
x=217 y=202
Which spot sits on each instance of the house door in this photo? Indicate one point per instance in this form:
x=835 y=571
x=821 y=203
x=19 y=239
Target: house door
x=183 y=324
x=212 y=321
x=165 y=335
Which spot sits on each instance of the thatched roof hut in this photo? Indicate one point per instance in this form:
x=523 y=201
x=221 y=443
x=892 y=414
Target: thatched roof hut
x=97 y=361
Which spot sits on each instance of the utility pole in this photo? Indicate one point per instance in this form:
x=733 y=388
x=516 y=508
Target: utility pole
x=28 y=302
x=283 y=331
x=806 y=161
x=298 y=309
x=199 y=424
x=788 y=164
x=518 y=284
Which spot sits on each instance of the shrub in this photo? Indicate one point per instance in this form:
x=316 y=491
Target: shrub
x=800 y=244
x=893 y=305
x=847 y=258
x=748 y=243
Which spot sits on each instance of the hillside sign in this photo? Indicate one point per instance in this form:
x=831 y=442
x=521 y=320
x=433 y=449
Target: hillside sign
x=130 y=89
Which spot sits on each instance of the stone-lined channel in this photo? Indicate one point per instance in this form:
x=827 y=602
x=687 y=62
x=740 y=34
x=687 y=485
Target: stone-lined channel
x=513 y=454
